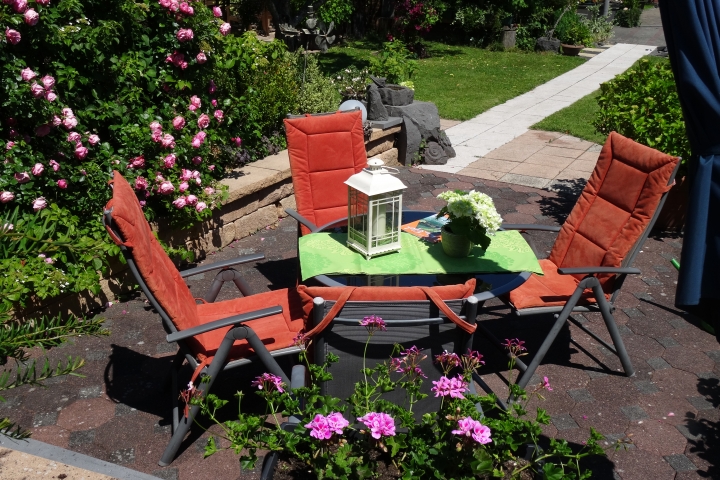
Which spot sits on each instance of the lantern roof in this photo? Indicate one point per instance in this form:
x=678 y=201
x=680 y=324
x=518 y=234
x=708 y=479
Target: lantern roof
x=376 y=179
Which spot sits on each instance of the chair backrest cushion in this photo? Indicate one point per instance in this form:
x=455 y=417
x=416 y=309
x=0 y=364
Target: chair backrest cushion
x=157 y=270
x=324 y=151
x=616 y=206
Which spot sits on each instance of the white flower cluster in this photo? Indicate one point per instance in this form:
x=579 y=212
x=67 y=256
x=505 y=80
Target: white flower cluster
x=473 y=204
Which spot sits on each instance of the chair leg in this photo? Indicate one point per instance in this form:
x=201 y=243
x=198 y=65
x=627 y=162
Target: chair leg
x=227 y=275
x=613 y=330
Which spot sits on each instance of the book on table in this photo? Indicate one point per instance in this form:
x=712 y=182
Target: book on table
x=427 y=228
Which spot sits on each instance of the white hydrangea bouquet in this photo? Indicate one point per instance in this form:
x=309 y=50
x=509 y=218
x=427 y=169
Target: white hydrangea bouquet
x=472 y=214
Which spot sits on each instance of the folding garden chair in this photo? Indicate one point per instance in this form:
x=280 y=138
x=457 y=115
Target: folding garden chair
x=597 y=244
x=212 y=337
x=434 y=319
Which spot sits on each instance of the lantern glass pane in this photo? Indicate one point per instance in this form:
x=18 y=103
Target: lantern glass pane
x=385 y=213
x=358 y=216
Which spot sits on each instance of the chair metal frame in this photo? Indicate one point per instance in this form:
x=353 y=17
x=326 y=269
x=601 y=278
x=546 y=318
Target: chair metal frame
x=181 y=424
x=604 y=306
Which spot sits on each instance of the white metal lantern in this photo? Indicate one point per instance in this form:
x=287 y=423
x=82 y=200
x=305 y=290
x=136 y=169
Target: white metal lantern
x=374 y=208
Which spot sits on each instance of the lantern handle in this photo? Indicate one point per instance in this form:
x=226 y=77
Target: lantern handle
x=392 y=170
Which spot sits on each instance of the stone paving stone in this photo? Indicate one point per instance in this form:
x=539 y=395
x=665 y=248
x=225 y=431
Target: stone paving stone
x=121 y=409
x=162 y=429
x=82 y=437
x=652 y=281
x=167 y=474
x=680 y=462
x=700 y=403
x=596 y=374
x=667 y=342
x=646 y=387
x=658 y=363
x=581 y=395
x=624 y=330
x=564 y=422
x=634 y=412
x=662 y=269
x=90 y=392
x=632 y=312
x=166 y=348
x=644 y=296
x=618 y=438
x=714 y=355
x=45 y=419
x=426 y=194
x=96 y=355
x=708 y=375
x=123 y=456
x=656 y=438
x=678 y=323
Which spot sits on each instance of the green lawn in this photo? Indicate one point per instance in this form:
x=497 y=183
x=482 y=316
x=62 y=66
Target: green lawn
x=463 y=81
x=576 y=120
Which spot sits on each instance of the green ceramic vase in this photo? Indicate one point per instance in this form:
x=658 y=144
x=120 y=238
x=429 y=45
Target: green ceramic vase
x=458 y=246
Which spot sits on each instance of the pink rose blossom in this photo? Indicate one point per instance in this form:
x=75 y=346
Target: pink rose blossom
x=213 y=102
x=80 y=151
x=211 y=167
x=380 y=424
x=6 y=197
x=31 y=17
x=20 y=6
x=212 y=88
x=49 y=261
x=50 y=96
x=12 y=36
x=37 y=90
x=43 y=130
x=165 y=3
x=141 y=183
x=9 y=145
x=39 y=203
x=23 y=177
x=185 y=174
x=48 y=81
x=69 y=123
x=156 y=135
x=186 y=9
x=179 y=202
x=137 y=162
x=237 y=141
x=55 y=165
x=203 y=121
x=62 y=183
x=194 y=103
x=200 y=206
x=169 y=161
x=468 y=427
x=83 y=171
x=225 y=28
x=209 y=190
x=93 y=139
x=217 y=13
x=27 y=74
x=37 y=169
x=166 y=188
x=219 y=115
x=154 y=126
x=177 y=59
x=197 y=160
x=185 y=35
x=56 y=121
x=191 y=200
x=198 y=139
x=201 y=58
x=44 y=3
x=68 y=113
x=178 y=122
x=168 y=141
x=74 y=137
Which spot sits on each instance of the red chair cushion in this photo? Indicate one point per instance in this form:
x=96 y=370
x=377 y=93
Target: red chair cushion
x=550 y=290
x=276 y=332
x=380 y=294
x=155 y=267
x=324 y=151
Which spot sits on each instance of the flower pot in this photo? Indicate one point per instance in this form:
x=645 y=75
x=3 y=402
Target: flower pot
x=458 y=246
x=572 y=50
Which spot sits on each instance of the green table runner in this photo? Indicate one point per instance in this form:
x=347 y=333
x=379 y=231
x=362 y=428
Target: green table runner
x=328 y=254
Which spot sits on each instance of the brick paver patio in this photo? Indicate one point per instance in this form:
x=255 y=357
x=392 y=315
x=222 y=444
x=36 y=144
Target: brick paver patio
x=668 y=413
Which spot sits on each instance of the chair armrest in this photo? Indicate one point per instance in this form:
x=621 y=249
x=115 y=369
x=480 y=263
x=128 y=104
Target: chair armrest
x=304 y=221
x=223 y=264
x=593 y=270
x=224 y=322
x=529 y=226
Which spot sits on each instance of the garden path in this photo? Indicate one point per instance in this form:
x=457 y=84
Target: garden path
x=498 y=143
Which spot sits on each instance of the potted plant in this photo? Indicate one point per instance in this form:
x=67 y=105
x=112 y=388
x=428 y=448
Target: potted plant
x=472 y=217
x=573 y=33
x=370 y=437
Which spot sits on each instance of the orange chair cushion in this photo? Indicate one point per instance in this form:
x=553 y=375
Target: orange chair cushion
x=324 y=151
x=155 y=267
x=549 y=290
x=380 y=294
x=276 y=331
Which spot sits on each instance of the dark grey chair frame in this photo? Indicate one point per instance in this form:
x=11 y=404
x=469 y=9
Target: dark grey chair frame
x=603 y=306
x=181 y=424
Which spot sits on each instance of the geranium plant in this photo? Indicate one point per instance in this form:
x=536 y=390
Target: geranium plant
x=367 y=434
x=472 y=214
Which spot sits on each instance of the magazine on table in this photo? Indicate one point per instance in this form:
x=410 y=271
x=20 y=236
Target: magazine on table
x=427 y=228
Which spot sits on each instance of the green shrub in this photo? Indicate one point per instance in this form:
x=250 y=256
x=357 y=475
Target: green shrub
x=394 y=62
x=643 y=104
x=629 y=16
x=351 y=83
x=572 y=30
x=317 y=92
x=600 y=27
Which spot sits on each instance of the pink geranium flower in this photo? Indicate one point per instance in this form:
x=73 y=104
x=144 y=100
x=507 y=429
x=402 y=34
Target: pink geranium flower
x=380 y=424
x=470 y=428
x=452 y=387
x=27 y=74
x=12 y=36
x=373 y=323
x=266 y=381
x=323 y=427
